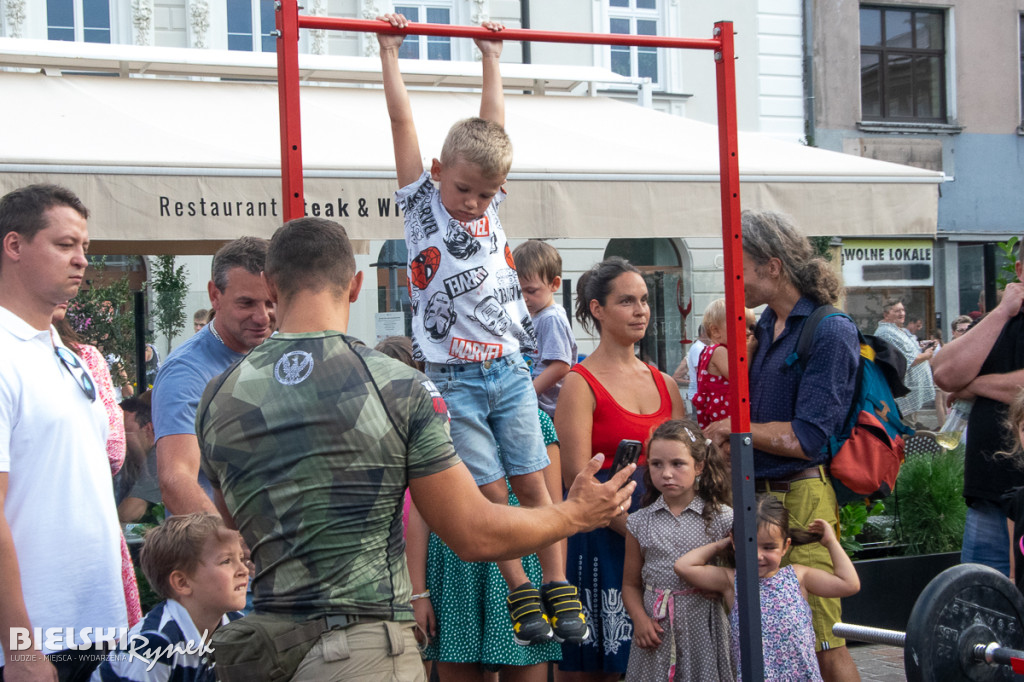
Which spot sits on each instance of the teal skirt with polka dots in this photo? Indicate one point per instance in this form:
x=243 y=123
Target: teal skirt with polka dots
x=472 y=620
x=473 y=625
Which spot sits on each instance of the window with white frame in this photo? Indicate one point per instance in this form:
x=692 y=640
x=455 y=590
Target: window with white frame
x=250 y=23
x=634 y=17
x=1021 y=38
x=78 y=20
x=426 y=47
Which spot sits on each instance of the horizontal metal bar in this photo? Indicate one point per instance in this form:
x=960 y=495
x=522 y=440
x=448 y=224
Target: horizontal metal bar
x=523 y=34
x=862 y=633
x=275 y=172
x=999 y=655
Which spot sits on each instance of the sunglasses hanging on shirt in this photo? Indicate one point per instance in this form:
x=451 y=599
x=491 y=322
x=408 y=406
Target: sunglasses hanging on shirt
x=74 y=366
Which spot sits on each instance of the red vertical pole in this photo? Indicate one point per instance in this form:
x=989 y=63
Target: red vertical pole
x=293 y=203
x=741 y=449
x=732 y=238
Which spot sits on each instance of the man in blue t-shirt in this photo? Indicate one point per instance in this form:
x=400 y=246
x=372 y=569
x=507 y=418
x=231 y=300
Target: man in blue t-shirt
x=244 y=318
x=792 y=412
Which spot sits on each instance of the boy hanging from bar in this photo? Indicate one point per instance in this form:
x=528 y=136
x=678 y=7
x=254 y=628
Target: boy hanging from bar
x=470 y=322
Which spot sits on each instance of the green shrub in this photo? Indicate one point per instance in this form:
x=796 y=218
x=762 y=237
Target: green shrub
x=852 y=518
x=928 y=502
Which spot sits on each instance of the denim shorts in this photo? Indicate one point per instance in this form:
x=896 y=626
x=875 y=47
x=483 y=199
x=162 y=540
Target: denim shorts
x=494 y=420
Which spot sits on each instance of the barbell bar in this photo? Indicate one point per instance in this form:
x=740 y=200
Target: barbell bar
x=967 y=624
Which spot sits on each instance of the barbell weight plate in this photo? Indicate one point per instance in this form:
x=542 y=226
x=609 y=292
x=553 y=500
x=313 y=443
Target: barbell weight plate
x=960 y=607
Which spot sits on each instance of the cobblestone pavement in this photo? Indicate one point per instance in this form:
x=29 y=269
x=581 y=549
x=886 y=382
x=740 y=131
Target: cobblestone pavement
x=878 y=663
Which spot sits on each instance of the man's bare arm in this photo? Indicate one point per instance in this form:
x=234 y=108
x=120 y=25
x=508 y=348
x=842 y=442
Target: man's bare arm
x=131 y=509
x=961 y=359
x=1001 y=387
x=177 y=464
x=222 y=509
x=479 y=530
x=777 y=438
x=13 y=613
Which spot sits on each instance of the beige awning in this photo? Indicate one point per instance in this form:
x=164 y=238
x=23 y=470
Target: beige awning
x=186 y=165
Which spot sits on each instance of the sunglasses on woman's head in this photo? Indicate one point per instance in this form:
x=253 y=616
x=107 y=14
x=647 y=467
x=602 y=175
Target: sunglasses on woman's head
x=74 y=366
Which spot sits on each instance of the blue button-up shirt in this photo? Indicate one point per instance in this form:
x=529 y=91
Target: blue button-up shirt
x=816 y=398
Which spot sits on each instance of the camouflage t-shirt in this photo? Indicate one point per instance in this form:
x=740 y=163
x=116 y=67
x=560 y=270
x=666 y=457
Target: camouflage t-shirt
x=312 y=439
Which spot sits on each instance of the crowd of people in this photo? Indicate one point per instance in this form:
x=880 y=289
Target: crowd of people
x=447 y=499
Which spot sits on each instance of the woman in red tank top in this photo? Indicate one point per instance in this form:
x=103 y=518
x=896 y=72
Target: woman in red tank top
x=610 y=396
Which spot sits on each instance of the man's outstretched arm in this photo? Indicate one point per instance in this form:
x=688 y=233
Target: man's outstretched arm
x=479 y=530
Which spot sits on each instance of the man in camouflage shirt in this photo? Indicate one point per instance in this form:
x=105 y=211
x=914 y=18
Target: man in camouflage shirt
x=310 y=442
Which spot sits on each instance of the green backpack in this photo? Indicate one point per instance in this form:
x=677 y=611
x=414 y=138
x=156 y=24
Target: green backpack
x=866 y=455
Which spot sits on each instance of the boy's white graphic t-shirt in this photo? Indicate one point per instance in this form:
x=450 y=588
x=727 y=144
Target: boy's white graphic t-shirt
x=467 y=304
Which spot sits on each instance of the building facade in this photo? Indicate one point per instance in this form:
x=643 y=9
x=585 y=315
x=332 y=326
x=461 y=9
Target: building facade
x=935 y=84
x=776 y=77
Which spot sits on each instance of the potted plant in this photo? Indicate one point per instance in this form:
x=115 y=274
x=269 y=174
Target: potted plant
x=925 y=515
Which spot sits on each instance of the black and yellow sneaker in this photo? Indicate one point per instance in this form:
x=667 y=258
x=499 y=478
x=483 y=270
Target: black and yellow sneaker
x=565 y=612
x=529 y=622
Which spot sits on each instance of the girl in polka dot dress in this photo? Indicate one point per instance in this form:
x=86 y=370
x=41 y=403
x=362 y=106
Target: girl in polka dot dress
x=787 y=638
x=678 y=633
x=711 y=401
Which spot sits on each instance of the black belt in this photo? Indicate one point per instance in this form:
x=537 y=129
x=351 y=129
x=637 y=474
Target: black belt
x=314 y=628
x=785 y=484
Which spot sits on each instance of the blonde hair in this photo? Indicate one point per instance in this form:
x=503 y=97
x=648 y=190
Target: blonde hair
x=177 y=545
x=1012 y=423
x=481 y=142
x=714 y=314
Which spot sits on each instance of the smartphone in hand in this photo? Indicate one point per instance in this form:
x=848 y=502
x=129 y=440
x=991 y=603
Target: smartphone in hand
x=628 y=452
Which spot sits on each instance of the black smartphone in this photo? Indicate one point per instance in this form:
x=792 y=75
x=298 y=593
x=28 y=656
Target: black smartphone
x=627 y=453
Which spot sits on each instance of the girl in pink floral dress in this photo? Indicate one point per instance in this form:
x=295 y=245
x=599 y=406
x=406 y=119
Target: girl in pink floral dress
x=787 y=638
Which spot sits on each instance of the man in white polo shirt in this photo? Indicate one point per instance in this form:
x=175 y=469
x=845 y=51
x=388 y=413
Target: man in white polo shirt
x=60 y=561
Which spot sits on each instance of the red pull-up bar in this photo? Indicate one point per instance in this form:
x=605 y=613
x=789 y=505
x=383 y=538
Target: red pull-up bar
x=288 y=24
x=524 y=34
x=290 y=21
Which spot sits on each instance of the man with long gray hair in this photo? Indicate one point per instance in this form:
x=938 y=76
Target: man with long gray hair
x=794 y=410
